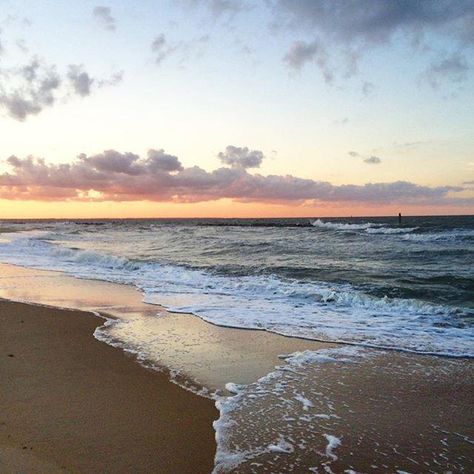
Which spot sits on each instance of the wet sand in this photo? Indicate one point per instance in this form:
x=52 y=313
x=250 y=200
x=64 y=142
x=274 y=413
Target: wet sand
x=69 y=403
x=208 y=355
x=84 y=405
x=372 y=412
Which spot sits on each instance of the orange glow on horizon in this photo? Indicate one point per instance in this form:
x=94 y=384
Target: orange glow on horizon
x=221 y=208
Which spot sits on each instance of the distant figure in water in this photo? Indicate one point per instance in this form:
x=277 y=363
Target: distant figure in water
x=399 y=217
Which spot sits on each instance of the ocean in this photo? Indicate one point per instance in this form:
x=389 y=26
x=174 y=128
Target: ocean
x=362 y=281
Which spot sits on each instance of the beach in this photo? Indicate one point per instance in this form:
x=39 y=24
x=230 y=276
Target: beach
x=70 y=403
x=237 y=237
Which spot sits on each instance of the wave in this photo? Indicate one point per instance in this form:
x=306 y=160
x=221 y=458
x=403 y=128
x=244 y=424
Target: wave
x=449 y=236
x=406 y=233
x=313 y=310
x=390 y=230
x=343 y=226
x=369 y=227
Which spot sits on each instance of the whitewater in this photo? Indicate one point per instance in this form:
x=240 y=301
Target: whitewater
x=368 y=282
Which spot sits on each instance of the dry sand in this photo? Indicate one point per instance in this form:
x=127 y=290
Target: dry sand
x=69 y=403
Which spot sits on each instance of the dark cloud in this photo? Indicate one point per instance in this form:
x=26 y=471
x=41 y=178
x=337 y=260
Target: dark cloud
x=219 y=8
x=104 y=16
x=348 y=29
x=373 y=160
x=353 y=153
x=453 y=68
x=243 y=158
x=158 y=176
x=369 y=22
x=302 y=52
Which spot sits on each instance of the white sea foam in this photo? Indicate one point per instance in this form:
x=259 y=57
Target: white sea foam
x=315 y=310
x=304 y=401
x=390 y=230
x=368 y=227
x=333 y=443
x=282 y=446
x=447 y=236
x=344 y=226
x=280 y=419
x=406 y=233
x=265 y=415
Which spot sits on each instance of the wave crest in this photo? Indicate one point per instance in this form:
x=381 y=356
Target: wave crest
x=314 y=310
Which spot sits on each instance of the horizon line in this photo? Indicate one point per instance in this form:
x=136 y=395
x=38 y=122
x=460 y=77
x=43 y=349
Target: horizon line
x=228 y=218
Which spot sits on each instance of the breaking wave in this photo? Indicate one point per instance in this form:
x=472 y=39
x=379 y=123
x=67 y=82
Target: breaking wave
x=314 y=310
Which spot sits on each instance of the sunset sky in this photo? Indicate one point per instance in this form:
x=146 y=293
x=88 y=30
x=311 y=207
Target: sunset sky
x=236 y=108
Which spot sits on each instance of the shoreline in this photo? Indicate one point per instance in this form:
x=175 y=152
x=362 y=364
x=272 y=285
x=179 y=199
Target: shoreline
x=71 y=403
x=156 y=308
x=199 y=353
x=369 y=405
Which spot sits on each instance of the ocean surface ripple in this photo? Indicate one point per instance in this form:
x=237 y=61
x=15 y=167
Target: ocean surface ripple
x=364 y=281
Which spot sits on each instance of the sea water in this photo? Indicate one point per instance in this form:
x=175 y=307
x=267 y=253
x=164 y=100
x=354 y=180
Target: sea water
x=364 y=281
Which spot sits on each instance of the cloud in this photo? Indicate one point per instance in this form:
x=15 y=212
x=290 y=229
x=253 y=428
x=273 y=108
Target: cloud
x=219 y=8
x=367 y=88
x=347 y=30
x=29 y=86
x=113 y=80
x=222 y=7
x=373 y=160
x=28 y=89
x=162 y=49
x=243 y=158
x=159 y=176
x=302 y=52
x=104 y=16
x=453 y=68
x=80 y=80
x=158 y=160
x=370 y=23
x=409 y=145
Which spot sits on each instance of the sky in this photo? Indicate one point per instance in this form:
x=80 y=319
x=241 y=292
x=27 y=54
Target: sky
x=236 y=108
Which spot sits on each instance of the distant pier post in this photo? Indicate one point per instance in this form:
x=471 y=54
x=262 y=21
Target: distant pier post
x=399 y=217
